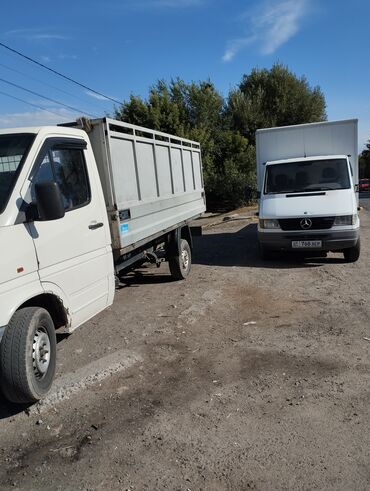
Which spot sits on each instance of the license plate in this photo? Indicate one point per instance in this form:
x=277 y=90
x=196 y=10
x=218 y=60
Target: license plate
x=306 y=244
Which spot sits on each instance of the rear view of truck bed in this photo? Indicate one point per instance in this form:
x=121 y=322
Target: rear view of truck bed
x=152 y=181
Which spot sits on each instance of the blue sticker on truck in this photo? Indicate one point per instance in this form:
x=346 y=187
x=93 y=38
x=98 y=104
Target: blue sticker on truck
x=124 y=228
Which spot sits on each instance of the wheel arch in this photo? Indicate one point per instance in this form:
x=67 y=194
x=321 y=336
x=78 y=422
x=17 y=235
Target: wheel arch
x=33 y=293
x=173 y=245
x=52 y=304
x=185 y=233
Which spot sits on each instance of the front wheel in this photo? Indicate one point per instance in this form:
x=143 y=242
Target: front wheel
x=352 y=254
x=28 y=355
x=180 y=265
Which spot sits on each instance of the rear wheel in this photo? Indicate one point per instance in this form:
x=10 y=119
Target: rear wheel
x=28 y=355
x=352 y=254
x=180 y=265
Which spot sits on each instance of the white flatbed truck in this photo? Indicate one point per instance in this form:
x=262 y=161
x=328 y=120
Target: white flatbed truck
x=78 y=208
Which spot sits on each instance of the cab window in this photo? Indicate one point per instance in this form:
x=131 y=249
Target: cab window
x=67 y=167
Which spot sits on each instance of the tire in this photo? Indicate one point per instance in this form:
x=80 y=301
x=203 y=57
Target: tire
x=180 y=265
x=28 y=355
x=352 y=254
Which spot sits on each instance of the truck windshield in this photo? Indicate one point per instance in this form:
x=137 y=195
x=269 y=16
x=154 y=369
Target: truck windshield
x=13 y=151
x=307 y=176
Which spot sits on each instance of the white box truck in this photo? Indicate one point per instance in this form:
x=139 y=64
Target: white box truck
x=77 y=209
x=307 y=177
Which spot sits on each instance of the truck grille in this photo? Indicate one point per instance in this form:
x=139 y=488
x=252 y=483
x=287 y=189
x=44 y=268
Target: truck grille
x=317 y=223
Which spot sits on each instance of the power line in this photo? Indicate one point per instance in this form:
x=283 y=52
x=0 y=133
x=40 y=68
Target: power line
x=47 y=98
x=30 y=103
x=60 y=74
x=46 y=84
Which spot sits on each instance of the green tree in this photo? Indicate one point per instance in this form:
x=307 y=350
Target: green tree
x=176 y=107
x=134 y=111
x=234 y=169
x=364 y=161
x=276 y=97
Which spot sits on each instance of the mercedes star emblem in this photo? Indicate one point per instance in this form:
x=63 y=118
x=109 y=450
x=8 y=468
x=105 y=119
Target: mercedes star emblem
x=306 y=223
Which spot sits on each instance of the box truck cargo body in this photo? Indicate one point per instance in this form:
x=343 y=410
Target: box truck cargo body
x=77 y=210
x=307 y=177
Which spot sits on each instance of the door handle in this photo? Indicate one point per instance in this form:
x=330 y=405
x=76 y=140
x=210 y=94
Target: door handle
x=94 y=226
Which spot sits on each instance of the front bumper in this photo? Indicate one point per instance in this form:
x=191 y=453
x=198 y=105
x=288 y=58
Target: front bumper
x=331 y=240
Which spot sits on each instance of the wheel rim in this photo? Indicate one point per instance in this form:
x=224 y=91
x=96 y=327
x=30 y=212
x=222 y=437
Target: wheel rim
x=185 y=259
x=41 y=352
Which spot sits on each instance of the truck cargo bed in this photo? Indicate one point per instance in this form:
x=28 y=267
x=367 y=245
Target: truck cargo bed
x=152 y=181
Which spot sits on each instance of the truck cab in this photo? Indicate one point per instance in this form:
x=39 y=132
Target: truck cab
x=56 y=267
x=309 y=204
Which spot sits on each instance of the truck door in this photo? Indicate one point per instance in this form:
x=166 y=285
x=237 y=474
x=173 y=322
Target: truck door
x=72 y=252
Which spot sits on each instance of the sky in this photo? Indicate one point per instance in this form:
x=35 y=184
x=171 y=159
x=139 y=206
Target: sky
x=122 y=47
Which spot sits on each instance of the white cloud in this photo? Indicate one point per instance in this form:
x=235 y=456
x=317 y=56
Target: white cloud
x=36 y=118
x=95 y=96
x=235 y=46
x=46 y=36
x=36 y=34
x=270 y=27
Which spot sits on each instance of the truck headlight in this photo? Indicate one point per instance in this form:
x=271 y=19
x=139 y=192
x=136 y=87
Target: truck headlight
x=345 y=220
x=269 y=223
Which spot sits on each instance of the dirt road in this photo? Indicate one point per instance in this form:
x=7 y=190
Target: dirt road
x=248 y=375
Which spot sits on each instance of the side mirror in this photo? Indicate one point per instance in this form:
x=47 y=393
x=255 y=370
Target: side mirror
x=258 y=194
x=49 y=201
x=357 y=188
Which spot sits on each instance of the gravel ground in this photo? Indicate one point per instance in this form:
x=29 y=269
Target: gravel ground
x=248 y=375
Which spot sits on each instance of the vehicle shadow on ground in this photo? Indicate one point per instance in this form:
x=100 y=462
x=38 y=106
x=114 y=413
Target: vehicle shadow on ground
x=144 y=276
x=8 y=409
x=241 y=249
